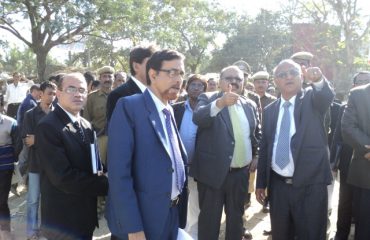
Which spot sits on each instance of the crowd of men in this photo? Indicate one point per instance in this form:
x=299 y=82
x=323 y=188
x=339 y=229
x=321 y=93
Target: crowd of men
x=164 y=159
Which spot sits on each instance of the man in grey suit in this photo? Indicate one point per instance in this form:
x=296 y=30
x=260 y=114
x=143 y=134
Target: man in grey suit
x=293 y=156
x=227 y=139
x=356 y=132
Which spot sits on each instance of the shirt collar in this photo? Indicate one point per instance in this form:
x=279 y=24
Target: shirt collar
x=187 y=106
x=291 y=100
x=72 y=117
x=139 y=84
x=158 y=103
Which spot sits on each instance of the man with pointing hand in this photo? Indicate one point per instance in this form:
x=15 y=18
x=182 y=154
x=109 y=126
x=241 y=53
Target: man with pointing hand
x=227 y=139
x=293 y=161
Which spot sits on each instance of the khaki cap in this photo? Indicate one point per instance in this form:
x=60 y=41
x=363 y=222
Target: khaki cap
x=261 y=75
x=302 y=55
x=105 y=69
x=243 y=66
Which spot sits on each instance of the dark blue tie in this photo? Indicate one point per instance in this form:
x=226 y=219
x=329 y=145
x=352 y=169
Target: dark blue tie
x=282 y=148
x=77 y=126
x=179 y=164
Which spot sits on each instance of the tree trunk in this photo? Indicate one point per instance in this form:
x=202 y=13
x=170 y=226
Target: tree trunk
x=41 y=55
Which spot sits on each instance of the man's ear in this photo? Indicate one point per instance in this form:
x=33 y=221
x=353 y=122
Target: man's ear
x=152 y=74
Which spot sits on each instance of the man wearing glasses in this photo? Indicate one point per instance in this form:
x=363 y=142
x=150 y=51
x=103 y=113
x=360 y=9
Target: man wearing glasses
x=69 y=189
x=228 y=134
x=183 y=112
x=293 y=160
x=146 y=156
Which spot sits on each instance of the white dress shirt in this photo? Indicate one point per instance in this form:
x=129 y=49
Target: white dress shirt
x=289 y=169
x=160 y=106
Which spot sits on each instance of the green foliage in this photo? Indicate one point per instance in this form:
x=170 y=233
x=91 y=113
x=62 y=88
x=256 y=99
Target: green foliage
x=262 y=42
x=22 y=61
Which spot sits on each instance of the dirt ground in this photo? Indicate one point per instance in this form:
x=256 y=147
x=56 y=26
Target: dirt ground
x=257 y=221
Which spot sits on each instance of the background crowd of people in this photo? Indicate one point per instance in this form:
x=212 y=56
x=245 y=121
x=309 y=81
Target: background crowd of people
x=158 y=150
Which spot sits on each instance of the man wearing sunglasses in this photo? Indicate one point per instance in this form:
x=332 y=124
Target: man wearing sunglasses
x=293 y=156
x=227 y=139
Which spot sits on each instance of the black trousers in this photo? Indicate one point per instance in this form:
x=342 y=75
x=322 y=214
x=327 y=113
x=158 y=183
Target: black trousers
x=231 y=195
x=5 y=183
x=298 y=213
x=345 y=206
x=12 y=110
x=361 y=200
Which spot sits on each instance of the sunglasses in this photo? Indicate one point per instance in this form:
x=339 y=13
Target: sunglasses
x=292 y=72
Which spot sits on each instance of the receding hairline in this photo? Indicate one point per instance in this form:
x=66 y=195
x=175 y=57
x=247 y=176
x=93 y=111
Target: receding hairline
x=287 y=61
x=230 y=68
x=73 y=75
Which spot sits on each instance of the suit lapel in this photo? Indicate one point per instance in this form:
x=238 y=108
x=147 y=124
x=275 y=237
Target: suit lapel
x=249 y=114
x=155 y=119
x=275 y=115
x=226 y=117
x=297 y=109
x=67 y=122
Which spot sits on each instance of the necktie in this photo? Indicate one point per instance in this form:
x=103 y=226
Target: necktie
x=282 y=148
x=178 y=163
x=240 y=151
x=76 y=125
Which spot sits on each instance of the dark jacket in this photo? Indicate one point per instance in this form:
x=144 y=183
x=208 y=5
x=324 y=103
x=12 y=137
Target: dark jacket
x=69 y=189
x=31 y=119
x=127 y=89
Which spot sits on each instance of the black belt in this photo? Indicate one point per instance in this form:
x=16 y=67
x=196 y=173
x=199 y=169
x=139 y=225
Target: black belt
x=175 y=201
x=287 y=180
x=231 y=169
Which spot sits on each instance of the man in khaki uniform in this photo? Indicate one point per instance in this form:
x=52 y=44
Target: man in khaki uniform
x=96 y=108
x=261 y=83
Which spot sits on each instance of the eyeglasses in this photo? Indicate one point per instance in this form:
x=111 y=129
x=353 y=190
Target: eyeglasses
x=172 y=73
x=74 y=90
x=292 y=72
x=231 y=79
x=194 y=85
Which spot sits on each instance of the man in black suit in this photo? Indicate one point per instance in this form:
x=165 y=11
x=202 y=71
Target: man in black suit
x=293 y=156
x=356 y=132
x=137 y=82
x=227 y=139
x=340 y=158
x=69 y=188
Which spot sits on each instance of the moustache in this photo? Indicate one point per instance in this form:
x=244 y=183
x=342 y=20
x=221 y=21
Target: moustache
x=234 y=85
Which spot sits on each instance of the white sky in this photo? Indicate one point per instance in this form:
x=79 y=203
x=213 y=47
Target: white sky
x=251 y=7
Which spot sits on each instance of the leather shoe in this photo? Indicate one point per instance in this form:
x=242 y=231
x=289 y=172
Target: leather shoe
x=265 y=209
x=247 y=235
x=267 y=232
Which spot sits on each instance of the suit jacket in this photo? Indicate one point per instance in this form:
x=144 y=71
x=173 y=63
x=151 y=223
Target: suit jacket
x=178 y=111
x=31 y=119
x=127 y=89
x=69 y=189
x=340 y=152
x=140 y=169
x=356 y=132
x=309 y=144
x=214 y=146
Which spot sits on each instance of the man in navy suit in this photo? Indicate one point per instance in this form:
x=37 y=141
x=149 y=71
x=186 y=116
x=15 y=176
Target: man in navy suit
x=146 y=156
x=293 y=156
